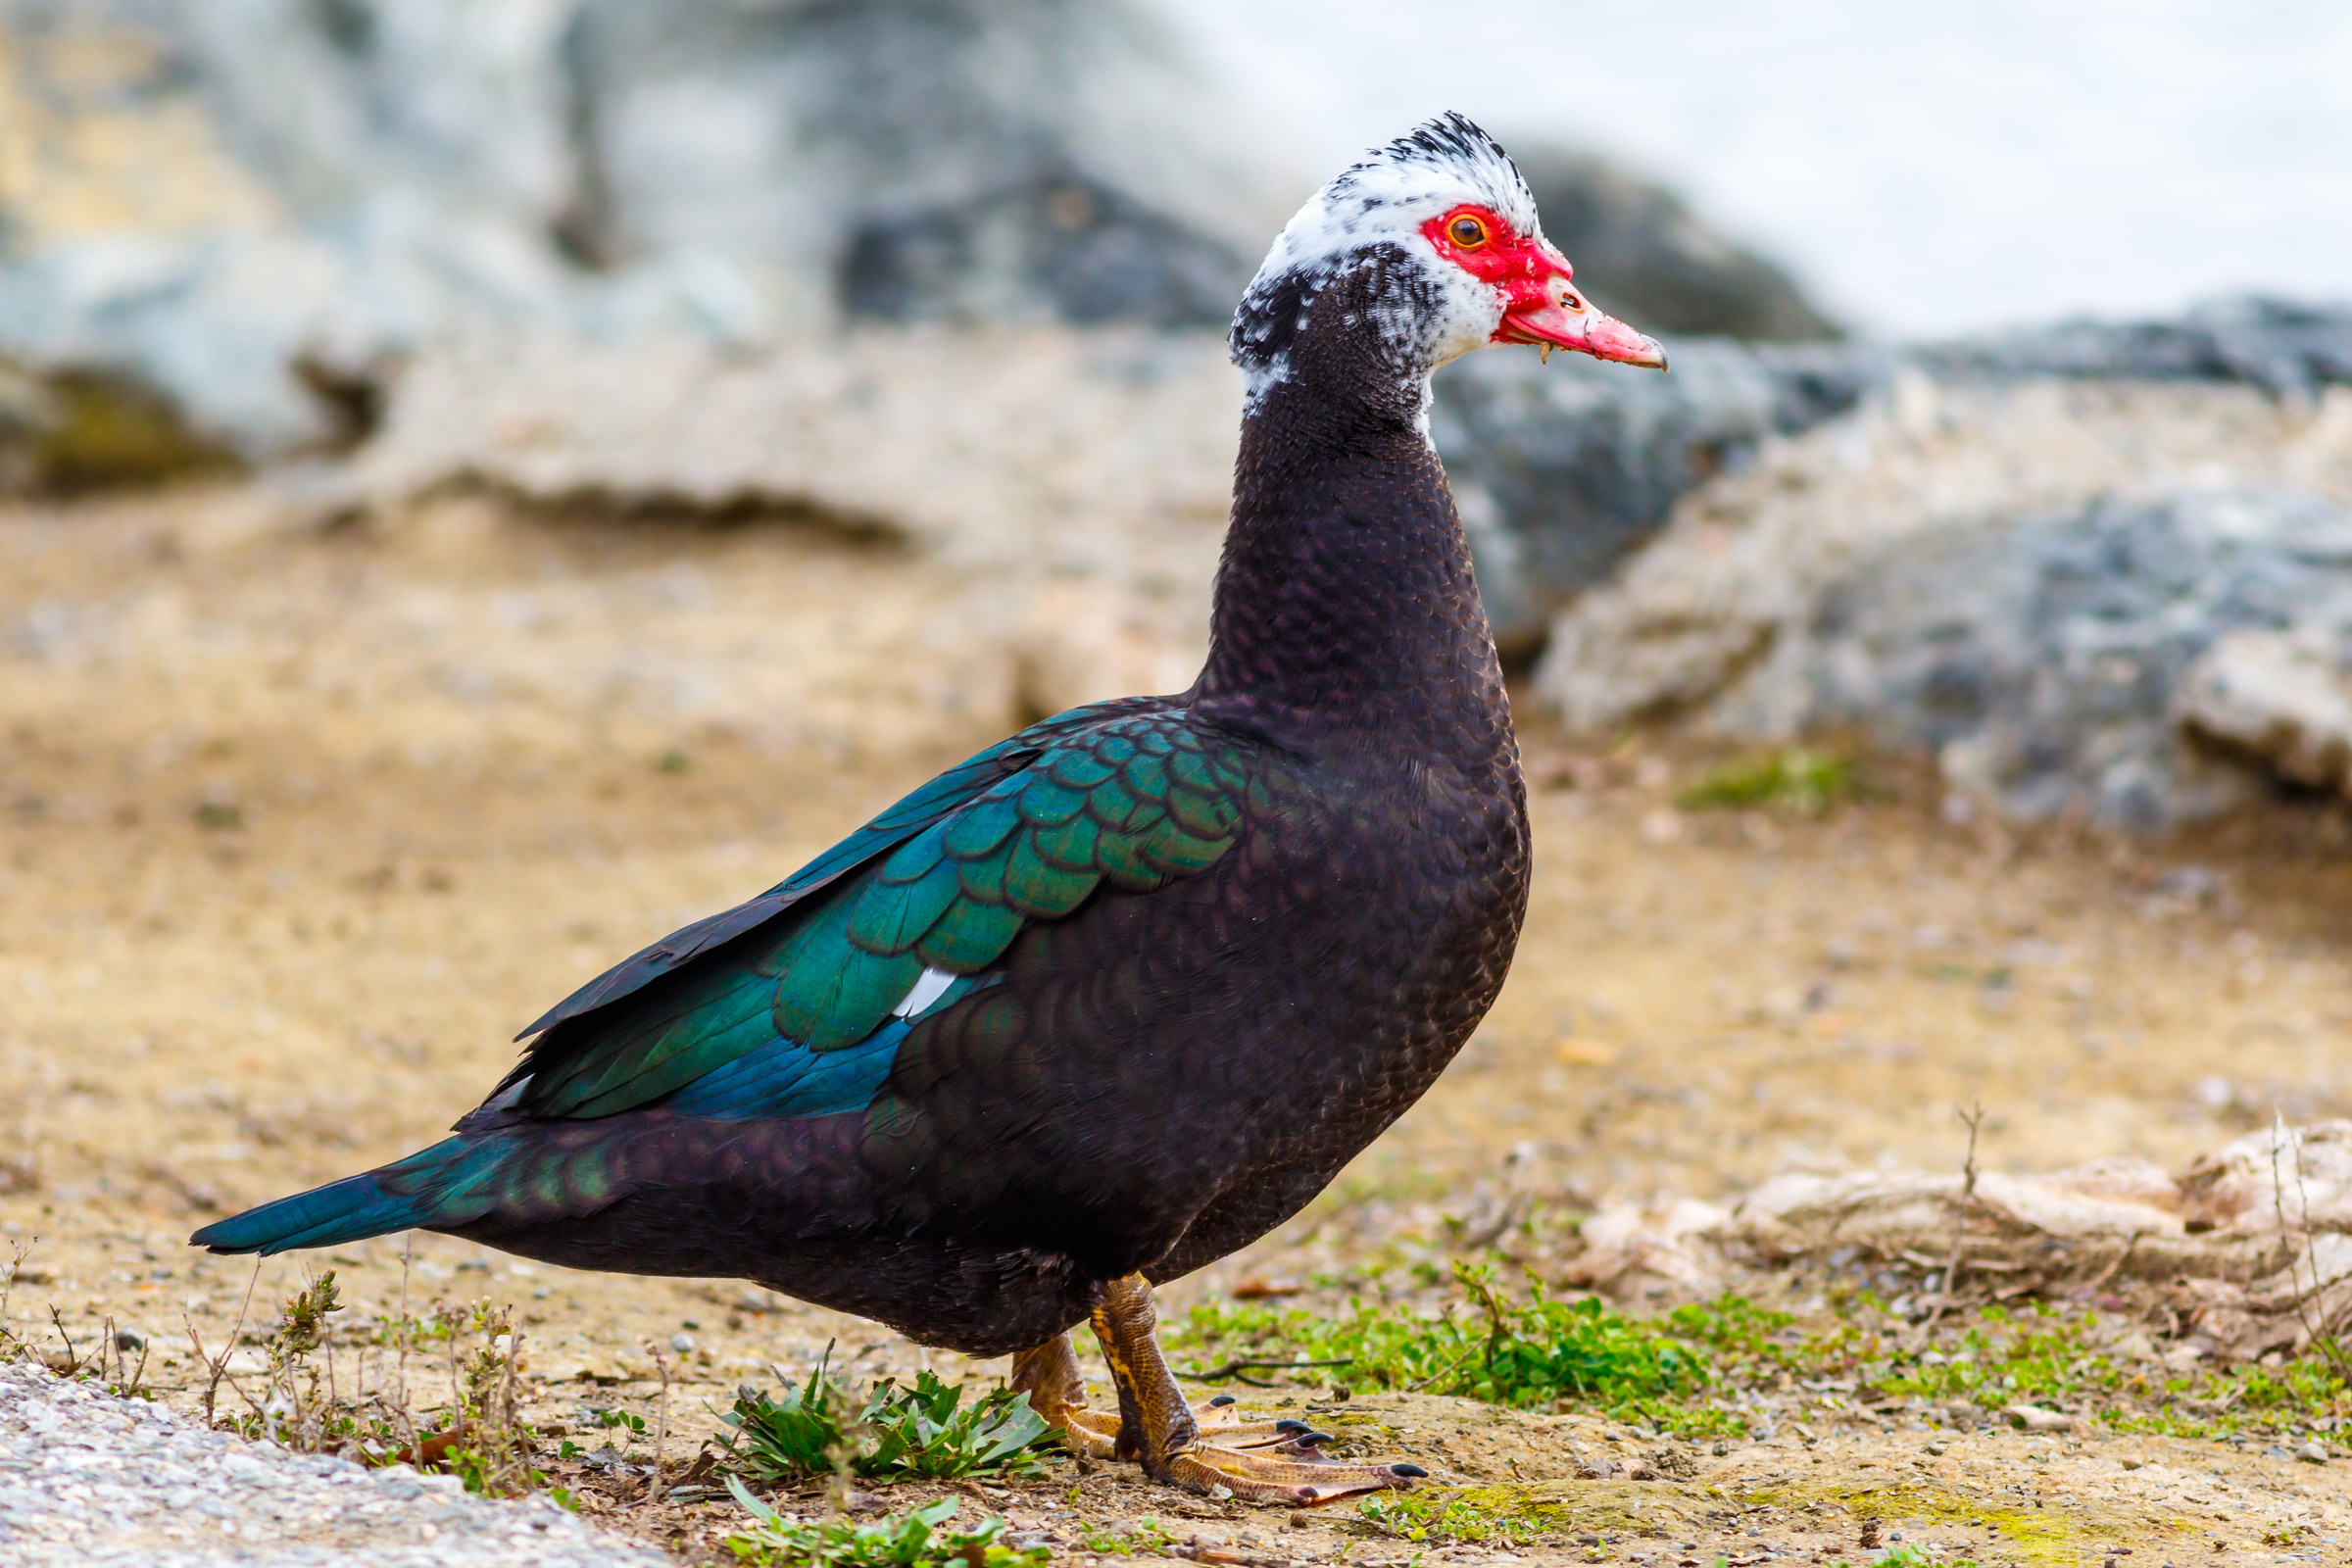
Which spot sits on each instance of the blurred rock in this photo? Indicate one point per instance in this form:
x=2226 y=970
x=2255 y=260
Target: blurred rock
x=28 y=415
x=2283 y=696
x=1078 y=250
x=1028 y=454
x=2043 y=660
x=2018 y=578
x=1565 y=469
x=259 y=212
x=1561 y=470
x=2232 y=1243
x=936 y=159
x=1648 y=258
x=2288 y=348
x=76 y=430
x=253 y=210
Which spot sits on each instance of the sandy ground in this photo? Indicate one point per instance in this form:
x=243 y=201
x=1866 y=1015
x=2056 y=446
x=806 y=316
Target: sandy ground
x=297 y=827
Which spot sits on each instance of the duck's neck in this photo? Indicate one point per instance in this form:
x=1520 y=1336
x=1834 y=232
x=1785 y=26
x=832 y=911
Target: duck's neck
x=1345 y=603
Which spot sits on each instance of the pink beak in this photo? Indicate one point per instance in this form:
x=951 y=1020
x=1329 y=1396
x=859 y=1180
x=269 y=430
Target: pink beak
x=1560 y=317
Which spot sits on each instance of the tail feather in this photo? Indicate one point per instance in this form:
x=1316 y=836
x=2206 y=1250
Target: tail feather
x=437 y=1186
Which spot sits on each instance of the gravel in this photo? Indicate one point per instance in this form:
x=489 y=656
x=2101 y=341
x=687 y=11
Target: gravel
x=87 y=1478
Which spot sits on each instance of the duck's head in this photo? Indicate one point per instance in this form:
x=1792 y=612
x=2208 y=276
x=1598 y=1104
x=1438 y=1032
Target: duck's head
x=1426 y=249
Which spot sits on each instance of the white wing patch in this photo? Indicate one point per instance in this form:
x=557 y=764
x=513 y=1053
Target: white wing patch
x=929 y=987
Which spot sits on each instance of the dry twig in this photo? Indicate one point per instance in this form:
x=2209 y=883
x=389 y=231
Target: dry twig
x=217 y=1366
x=653 y=1479
x=1235 y=1369
x=2317 y=1333
x=1974 y=1121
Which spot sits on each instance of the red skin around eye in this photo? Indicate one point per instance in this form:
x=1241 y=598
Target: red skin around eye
x=1522 y=268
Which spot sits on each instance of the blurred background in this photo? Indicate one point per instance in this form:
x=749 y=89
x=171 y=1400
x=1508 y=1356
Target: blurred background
x=483 y=482
x=954 y=273
x=1929 y=169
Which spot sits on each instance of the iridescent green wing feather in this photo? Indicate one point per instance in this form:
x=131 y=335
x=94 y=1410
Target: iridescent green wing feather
x=1131 y=798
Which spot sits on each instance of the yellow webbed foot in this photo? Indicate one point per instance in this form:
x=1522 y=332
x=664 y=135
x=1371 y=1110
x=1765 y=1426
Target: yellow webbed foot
x=1199 y=1446
x=1258 y=1461
x=1296 y=1482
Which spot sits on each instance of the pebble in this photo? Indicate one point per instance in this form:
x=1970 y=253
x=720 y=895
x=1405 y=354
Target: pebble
x=2033 y=1418
x=2310 y=1453
x=95 y=1481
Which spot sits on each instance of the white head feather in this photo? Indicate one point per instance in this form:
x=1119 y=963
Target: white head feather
x=1382 y=202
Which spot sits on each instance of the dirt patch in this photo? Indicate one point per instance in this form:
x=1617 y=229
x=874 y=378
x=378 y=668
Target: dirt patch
x=298 y=827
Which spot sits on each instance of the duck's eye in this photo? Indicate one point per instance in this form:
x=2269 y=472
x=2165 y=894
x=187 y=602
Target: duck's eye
x=1467 y=232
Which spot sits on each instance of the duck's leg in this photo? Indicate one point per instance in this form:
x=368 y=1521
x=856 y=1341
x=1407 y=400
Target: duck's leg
x=1160 y=1429
x=1048 y=1375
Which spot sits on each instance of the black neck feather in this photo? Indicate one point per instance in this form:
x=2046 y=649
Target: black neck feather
x=1345 y=603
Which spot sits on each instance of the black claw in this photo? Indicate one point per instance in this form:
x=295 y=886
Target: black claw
x=1222 y=1402
x=1308 y=1439
x=1292 y=1428
x=1413 y=1470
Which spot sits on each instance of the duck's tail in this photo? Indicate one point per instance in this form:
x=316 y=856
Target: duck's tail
x=449 y=1183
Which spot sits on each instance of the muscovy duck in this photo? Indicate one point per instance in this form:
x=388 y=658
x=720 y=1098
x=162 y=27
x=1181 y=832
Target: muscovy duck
x=1120 y=994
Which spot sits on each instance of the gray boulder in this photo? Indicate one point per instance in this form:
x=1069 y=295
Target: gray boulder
x=2125 y=601
x=2287 y=348
x=2282 y=697
x=292 y=197
x=977 y=160
x=301 y=195
x=1565 y=470
x=1561 y=470
x=2046 y=661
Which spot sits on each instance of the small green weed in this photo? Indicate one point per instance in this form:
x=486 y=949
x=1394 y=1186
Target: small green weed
x=897 y=1433
x=2001 y=1359
x=630 y=1427
x=1907 y=1556
x=1447 y=1516
x=1795 y=779
x=913 y=1540
x=1697 y=1371
x=1145 y=1540
x=2047 y=1354
x=1528 y=1353
x=301 y=1405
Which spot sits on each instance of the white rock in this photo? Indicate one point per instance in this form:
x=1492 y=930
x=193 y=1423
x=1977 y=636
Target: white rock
x=2284 y=696
x=2033 y=1418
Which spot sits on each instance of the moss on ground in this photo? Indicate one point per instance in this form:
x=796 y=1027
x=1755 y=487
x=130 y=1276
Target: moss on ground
x=1725 y=1368
x=2053 y=1535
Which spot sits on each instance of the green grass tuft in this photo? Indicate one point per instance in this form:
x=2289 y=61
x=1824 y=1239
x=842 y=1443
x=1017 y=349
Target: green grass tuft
x=1450 y=1516
x=1803 y=782
x=913 y=1540
x=1145 y=1540
x=2046 y=1354
x=1727 y=1367
x=923 y=1431
x=1529 y=1352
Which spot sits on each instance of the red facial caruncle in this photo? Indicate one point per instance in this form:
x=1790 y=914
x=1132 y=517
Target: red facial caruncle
x=1541 y=303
